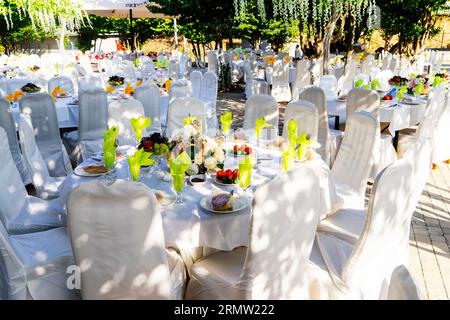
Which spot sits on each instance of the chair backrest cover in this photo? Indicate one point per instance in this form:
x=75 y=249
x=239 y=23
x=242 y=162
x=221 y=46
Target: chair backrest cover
x=196 y=80
x=258 y=106
x=181 y=108
x=305 y=114
x=120 y=113
x=148 y=95
x=131 y=221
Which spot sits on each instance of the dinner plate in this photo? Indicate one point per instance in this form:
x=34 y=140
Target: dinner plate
x=239 y=204
x=411 y=102
x=218 y=182
x=79 y=171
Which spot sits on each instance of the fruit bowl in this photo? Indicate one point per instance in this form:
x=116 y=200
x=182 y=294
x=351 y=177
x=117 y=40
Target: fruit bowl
x=242 y=150
x=227 y=177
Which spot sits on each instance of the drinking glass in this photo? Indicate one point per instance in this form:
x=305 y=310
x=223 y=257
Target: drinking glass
x=245 y=176
x=178 y=183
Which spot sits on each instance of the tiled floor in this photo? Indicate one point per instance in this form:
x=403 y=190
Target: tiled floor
x=430 y=229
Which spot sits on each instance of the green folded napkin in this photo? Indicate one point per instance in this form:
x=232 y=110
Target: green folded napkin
x=180 y=164
x=109 y=146
x=287 y=161
x=259 y=125
x=437 y=81
x=292 y=131
x=419 y=89
x=303 y=144
x=401 y=92
x=375 y=84
x=226 y=120
x=189 y=120
x=139 y=159
x=359 y=83
x=140 y=124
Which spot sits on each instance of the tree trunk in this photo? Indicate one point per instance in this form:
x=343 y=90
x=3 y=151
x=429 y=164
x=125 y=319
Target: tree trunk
x=327 y=41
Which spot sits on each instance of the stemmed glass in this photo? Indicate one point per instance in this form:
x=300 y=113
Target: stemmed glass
x=245 y=173
x=178 y=183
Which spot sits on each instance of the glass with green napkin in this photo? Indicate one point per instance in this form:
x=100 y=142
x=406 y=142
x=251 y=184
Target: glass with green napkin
x=288 y=159
x=226 y=120
x=292 y=132
x=140 y=159
x=245 y=172
x=110 y=147
x=304 y=142
x=259 y=125
x=178 y=167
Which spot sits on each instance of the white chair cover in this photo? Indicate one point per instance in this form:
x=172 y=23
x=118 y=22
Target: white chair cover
x=3 y=88
x=363 y=99
x=258 y=106
x=305 y=114
x=213 y=61
x=140 y=269
x=15 y=84
x=383 y=78
x=180 y=89
x=174 y=69
x=281 y=90
x=285 y=215
x=196 y=80
x=393 y=64
x=8 y=124
x=119 y=114
x=34 y=266
x=185 y=67
x=89 y=83
x=19 y=212
x=302 y=78
x=402 y=286
x=148 y=69
x=208 y=95
x=63 y=82
x=148 y=95
x=329 y=144
x=46 y=186
x=345 y=83
x=328 y=83
x=354 y=160
x=181 y=108
x=41 y=109
x=363 y=271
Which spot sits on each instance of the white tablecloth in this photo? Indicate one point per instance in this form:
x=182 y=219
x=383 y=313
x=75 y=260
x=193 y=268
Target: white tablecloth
x=187 y=226
x=399 y=117
x=68 y=116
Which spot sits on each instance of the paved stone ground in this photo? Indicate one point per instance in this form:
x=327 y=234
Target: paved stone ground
x=430 y=228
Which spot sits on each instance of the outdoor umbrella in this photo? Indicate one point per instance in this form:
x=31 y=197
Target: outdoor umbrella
x=121 y=9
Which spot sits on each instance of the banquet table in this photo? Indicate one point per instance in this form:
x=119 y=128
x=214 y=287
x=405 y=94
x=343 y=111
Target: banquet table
x=399 y=115
x=67 y=110
x=188 y=227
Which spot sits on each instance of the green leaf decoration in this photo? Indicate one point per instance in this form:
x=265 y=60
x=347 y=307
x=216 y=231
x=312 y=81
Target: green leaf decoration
x=139 y=159
x=292 y=131
x=226 y=120
x=259 y=125
x=109 y=146
x=140 y=124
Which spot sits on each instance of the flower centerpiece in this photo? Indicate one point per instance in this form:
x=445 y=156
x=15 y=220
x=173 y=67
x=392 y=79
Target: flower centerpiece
x=206 y=153
x=418 y=86
x=116 y=81
x=398 y=81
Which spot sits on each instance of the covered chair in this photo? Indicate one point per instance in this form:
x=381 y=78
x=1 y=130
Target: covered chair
x=354 y=160
x=63 y=82
x=8 y=124
x=41 y=109
x=196 y=80
x=34 y=266
x=185 y=67
x=363 y=270
x=120 y=113
x=328 y=83
x=93 y=115
x=302 y=78
x=180 y=89
x=142 y=268
x=329 y=140
x=402 y=285
x=285 y=215
x=89 y=83
x=213 y=61
x=208 y=95
x=181 y=108
x=254 y=85
x=19 y=212
x=46 y=187
x=305 y=114
x=258 y=106
x=174 y=69
x=281 y=90
x=15 y=84
x=148 y=95
x=368 y=100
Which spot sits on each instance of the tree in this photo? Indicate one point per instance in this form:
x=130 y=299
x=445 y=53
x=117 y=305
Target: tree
x=413 y=21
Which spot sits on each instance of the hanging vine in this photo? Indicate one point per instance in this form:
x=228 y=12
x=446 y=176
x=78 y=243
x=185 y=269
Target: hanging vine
x=47 y=15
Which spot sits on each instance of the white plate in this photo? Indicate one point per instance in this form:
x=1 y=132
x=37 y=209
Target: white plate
x=223 y=184
x=239 y=204
x=79 y=171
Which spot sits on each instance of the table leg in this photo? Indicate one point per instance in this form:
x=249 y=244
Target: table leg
x=336 y=122
x=395 y=140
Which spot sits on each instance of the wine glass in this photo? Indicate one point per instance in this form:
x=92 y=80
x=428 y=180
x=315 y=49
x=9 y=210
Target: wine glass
x=178 y=183
x=245 y=176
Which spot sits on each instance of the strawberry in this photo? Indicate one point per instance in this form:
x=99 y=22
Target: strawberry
x=235 y=173
x=148 y=145
x=248 y=150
